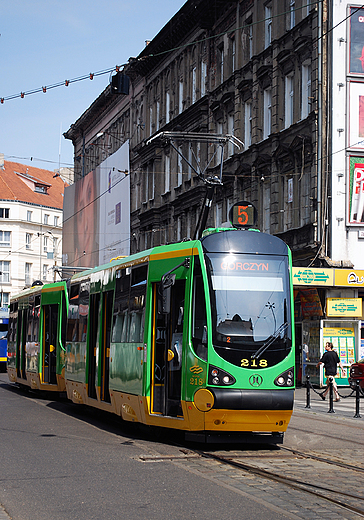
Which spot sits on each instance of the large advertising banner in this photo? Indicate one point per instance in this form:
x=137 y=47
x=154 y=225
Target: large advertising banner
x=115 y=206
x=356 y=54
x=356 y=191
x=80 y=223
x=356 y=115
x=96 y=213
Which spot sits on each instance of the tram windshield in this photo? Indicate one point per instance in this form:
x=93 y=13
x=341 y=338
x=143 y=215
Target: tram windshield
x=250 y=306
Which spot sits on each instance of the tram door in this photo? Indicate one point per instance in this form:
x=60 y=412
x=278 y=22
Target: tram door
x=167 y=350
x=21 y=343
x=50 y=340
x=107 y=313
x=91 y=354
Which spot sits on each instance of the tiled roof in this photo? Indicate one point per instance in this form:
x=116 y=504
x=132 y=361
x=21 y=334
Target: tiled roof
x=14 y=187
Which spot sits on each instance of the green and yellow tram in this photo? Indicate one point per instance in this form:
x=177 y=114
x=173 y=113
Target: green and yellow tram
x=196 y=336
x=36 y=337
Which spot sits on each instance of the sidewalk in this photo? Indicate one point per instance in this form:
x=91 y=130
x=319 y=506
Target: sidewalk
x=346 y=407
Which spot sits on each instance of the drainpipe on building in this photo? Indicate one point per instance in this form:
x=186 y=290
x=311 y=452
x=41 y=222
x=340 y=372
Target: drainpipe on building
x=83 y=155
x=319 y=116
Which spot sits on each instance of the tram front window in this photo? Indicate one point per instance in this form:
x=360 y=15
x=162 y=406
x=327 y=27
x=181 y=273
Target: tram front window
x=250 y=306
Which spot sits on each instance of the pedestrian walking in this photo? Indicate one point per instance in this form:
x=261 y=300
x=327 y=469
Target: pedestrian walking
x=305 y=359
x=330 y=360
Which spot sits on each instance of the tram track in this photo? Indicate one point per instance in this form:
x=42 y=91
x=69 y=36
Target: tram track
x=323 y=459
x=351 y=502
x=334 y=496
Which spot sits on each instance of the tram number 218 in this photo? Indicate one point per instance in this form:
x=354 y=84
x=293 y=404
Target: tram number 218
x=254 y=363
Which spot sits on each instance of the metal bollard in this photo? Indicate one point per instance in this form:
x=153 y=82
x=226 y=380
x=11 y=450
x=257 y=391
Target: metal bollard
x=357 y=399
x=308 y=396
x=331 y=396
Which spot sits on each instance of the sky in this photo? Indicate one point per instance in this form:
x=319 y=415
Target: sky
x=46 y=42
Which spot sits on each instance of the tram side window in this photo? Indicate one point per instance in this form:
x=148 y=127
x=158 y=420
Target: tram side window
x=121 y=307
x=83 y=309
x=199 y=321
x=13 y=321
x=128 y=315
x=33 y=320
x=36 y=314
x=78 y=313
x=72 y=322
x=137 y=303
x=29 y=325
x=13 y=328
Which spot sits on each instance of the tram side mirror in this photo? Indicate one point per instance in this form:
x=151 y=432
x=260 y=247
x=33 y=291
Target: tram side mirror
x=204 y=335
x=167 y=283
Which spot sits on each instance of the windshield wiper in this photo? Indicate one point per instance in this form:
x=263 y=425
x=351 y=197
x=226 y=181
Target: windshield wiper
x=271 y=340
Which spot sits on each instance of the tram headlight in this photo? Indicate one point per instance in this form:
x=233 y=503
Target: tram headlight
x=220 y=377
x=285 y=379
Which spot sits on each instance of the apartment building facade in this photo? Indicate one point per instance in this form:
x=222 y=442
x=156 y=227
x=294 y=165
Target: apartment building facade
x=286 y=79
x=31 y=205
x=243 y=68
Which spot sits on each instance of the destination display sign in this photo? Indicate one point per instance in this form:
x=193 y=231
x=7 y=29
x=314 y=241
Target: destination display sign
x=243 y=215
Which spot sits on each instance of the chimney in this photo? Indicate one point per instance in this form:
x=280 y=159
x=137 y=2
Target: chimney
x=2 y=165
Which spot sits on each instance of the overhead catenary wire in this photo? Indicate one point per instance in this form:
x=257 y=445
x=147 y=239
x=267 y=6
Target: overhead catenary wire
x=117 y=68
x=91 y=75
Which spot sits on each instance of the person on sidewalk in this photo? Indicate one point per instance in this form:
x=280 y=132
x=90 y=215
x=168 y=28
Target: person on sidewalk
x=330 y=360
x=305 y=360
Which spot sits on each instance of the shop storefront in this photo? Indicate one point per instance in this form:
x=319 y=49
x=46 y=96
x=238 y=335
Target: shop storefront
x=328 y=307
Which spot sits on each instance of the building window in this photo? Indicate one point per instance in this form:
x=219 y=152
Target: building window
x=268 y=25
x=250 y=36
x=45 y=244
x=267 y=126
x=190 y=159
x=218 y=214
x=289 y=99
x=167 y=173
x=55 y=244
x=179 y=229
x=194 y=86
x=4 y=238
x=229 y=203
x=248 y=125
x=221 y=61
x=28 y=241
x=56 y=219
x=230 y=123
x=4 y=212
x=157 y=115
x=292 y=12
x=4 y=299
x=29 y=216
x=233 y=54
x=180 y=97
x=46 y=219
x=203 y=77
x=168 y=103
x=219 y=130
x=5 y=271
x=45 y=272
x=145 y=184
x=150 y=120
x=39 y=188
x=306 y=90
x=179 y=167
x=152 y=181
x=266 y=207
x=28 y=274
